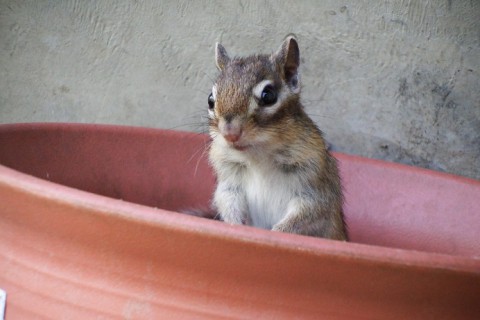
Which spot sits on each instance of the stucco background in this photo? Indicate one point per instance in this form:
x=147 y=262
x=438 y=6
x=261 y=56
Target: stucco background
x=396 y=80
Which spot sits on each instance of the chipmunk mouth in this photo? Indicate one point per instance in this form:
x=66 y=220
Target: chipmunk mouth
x=239 y=147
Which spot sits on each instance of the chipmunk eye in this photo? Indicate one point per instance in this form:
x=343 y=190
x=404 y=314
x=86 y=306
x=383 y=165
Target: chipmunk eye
x=268 y=96
x=211 y=102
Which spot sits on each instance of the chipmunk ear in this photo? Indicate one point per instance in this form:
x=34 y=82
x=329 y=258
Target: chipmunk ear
x=221 y=56
x=288 y=59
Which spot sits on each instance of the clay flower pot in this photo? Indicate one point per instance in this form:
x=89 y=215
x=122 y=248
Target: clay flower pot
x=89 y=230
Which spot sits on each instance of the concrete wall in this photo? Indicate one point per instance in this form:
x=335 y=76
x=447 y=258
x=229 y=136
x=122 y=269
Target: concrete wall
x=397 y=80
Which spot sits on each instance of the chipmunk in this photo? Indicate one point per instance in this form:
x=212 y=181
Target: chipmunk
x=272 y=165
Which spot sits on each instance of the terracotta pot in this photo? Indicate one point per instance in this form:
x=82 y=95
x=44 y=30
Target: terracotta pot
x=88 y=229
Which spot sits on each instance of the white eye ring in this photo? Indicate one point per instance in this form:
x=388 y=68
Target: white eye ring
x=258 y=89
x=211 y=111
x=214 y=92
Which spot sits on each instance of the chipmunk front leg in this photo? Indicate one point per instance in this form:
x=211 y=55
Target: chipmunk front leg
x=308 y=217
x=231 y=204
x=295 y=217
x=303 y=217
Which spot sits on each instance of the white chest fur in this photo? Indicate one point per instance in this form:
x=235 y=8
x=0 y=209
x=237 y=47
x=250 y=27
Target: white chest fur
x=261 y=188
x=269 y=190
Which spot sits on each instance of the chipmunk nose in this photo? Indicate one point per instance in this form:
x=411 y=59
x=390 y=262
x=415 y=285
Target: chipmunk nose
x=232 y=137
x=232 y=132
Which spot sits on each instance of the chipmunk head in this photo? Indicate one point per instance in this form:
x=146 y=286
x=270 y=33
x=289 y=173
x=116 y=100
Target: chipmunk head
x=253 y=96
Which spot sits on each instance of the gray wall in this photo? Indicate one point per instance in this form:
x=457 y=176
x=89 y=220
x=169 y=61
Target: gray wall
x=397 y=80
